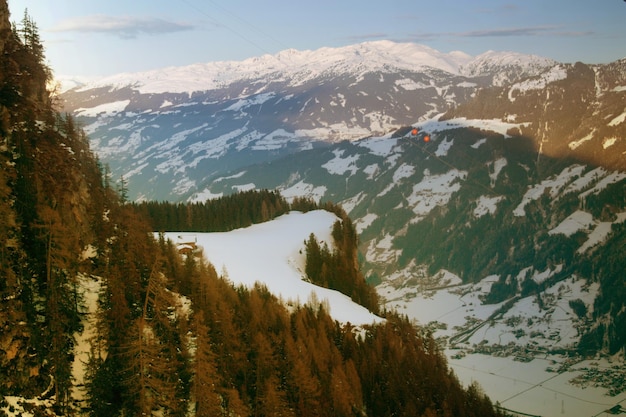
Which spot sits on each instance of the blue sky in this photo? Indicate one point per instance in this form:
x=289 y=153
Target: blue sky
x=97 y=38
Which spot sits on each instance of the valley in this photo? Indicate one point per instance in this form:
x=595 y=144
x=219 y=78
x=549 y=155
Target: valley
x=501 y=235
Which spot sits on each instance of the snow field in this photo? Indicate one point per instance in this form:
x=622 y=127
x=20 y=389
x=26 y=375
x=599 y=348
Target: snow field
x=272 y=253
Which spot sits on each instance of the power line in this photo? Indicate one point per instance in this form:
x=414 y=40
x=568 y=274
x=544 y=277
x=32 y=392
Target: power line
x=233 y=30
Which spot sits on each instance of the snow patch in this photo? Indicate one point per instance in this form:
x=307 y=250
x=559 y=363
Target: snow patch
x=579 y=220
x=403 y=171
x=410 y=85
x=608 y=142
x=600 y=233
x=381 y=146
x=609 y=179
x=365 y=222
x=479 y=143
x=556 y=73
x=241 y=104
x=552 y=186
x=371 y=170
x=486 y=205
x=618 y=120
x=204 y=195
x=576 y=144
x=303 y=189
x=444 y=147
x=492 y=125
x=107 y=109
x=339 y=165
x=244 y=187
x=433 y=191
x=498 y=164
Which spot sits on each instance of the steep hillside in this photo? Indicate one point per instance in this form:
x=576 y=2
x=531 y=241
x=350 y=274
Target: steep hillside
x=569 y=111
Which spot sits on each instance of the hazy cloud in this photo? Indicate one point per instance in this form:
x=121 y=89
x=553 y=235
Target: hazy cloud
x=123 y=26
x=523 y=31
x=502 y=33
x=367 y=37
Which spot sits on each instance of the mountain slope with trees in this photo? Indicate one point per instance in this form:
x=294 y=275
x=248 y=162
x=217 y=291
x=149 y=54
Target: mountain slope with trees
x=235 y=351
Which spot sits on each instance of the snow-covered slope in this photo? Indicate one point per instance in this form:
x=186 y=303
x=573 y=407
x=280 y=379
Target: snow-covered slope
x=208 y=118
x=506 y=67
x=272 y=254
x=296 y=66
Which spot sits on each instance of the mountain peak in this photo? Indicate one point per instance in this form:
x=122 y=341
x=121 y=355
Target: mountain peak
x=298 y=66
x=506 y=66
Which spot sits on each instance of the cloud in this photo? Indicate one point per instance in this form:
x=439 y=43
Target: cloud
x=125 y=27
x=502 y=33
x=367 y=36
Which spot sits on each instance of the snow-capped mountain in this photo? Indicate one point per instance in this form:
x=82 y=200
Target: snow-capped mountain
x=503 y=67
x=503 y=233
x=168 y=131
x=521 y=149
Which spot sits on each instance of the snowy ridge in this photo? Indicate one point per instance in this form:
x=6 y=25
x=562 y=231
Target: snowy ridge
x=274 y=256
x=297 y=67
x=499 y=63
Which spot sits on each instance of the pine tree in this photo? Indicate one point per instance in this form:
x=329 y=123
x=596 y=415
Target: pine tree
x=122 y=190
x=61 y=305
x=206 y=381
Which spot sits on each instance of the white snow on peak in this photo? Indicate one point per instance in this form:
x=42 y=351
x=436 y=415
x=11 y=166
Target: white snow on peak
x=491 y=61
x=384 y=56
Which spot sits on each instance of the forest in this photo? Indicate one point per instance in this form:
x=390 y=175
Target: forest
x=233 y=351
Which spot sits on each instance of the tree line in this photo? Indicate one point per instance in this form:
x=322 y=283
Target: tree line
x=336 y=268
x=219 y=215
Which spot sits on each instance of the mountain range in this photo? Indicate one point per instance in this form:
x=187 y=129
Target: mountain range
x=517 y=197
x=178 y=128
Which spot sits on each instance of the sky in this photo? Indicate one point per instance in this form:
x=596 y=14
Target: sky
x=101 y=38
